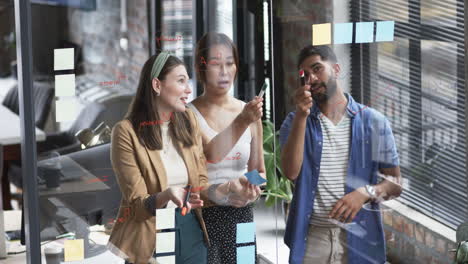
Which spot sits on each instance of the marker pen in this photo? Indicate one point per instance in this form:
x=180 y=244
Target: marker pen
x=262 y=91
x=189 y=192
x=301 y=74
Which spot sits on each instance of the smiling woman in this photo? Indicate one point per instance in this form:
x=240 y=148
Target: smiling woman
x=154 y=163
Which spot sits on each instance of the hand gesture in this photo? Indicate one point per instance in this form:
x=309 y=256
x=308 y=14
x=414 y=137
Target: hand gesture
x=252 y=110
x=303 y=100
x=243 y=190
x=347 y=207
x=177 y=196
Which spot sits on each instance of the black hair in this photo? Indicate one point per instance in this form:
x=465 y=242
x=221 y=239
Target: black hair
x=325 y=52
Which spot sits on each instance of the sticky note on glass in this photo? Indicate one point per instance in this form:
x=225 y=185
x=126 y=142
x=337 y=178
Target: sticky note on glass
x=74 y=250
x=165 y=242
x=66 y=110
x=321 y=34
x=64 y=59
x=165 y=218
x=254 y=177
x=246 y=255
x=245 y=233
x=343 y=33
x=385 y=31
x=65 y=85
x=166 y=260
x=364 y=32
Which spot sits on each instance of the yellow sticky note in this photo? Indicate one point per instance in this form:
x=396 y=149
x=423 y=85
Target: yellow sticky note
x=74 y=250
x=321 y=34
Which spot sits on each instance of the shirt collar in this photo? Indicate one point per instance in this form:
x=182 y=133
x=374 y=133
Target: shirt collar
x=352 y=107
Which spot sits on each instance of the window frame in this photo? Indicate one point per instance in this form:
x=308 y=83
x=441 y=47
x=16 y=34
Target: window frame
x=365 y=55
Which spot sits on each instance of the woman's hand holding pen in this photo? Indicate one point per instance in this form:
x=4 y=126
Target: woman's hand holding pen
x=252 y=110
x=178 y=195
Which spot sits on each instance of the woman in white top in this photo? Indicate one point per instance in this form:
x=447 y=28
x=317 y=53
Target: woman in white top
x=232 y=140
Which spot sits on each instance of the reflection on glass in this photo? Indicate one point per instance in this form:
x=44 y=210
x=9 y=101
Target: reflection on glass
x=396 y=10
x=436 y=13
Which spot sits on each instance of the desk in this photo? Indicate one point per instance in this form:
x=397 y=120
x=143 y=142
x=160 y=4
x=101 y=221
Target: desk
x=11 y=131
x=10 y=139
x=97 y=235
x=85 y=182
x=10 y=149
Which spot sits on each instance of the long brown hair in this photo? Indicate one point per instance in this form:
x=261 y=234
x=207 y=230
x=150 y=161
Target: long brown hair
x=143 y=109
x=201 y=54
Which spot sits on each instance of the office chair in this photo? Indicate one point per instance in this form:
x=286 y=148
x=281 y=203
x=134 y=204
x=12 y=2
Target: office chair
x=43 y=96
x=108 y=111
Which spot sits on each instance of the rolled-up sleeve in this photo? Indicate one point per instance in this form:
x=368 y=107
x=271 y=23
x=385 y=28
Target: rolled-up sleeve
x=386 y=153
x=128 y=174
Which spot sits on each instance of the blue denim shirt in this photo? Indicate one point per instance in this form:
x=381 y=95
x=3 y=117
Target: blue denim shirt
x=372 y=147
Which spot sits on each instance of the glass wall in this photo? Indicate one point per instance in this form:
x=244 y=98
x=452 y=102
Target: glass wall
x=288 y=122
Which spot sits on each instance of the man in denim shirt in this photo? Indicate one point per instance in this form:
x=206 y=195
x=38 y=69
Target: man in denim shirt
x=343 y=160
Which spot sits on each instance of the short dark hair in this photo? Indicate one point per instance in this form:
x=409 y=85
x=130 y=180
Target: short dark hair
x=204 y=44
x=325 y=52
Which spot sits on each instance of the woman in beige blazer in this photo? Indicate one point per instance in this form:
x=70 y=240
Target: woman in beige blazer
x=155 y=152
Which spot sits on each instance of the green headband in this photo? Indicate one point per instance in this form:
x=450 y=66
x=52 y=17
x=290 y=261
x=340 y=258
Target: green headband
x=159 y=64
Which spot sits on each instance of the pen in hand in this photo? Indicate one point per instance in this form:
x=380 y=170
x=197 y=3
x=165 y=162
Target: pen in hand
x=302 y=76
x=189 y=192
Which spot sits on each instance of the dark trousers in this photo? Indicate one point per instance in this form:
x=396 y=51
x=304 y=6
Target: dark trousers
x=190 y=245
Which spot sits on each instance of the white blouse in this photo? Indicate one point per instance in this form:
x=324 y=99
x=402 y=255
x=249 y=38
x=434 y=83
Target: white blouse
x=234 y=164
x=176 y=171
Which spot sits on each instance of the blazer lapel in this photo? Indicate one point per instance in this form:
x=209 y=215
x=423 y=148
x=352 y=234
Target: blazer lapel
x=158 y=167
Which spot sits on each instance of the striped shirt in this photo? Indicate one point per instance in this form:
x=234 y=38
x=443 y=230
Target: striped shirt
x=333 y=168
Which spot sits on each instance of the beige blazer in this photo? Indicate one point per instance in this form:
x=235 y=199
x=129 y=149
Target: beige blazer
x=140 y=173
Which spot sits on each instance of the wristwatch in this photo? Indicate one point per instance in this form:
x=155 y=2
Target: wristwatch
x=371 y=191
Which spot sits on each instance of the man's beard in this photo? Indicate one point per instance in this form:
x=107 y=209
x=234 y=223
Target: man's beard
x=330 y=90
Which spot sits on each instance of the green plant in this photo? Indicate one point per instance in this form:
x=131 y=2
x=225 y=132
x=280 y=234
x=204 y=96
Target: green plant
x=278 y=186
x=10 y=40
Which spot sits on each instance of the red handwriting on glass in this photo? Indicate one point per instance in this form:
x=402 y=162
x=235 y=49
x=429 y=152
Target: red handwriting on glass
x=119 y=77
x=212 y=61
x=100 y=179
x=177 y=38
x=121 y=219
x=156 y=122
x=236 y=157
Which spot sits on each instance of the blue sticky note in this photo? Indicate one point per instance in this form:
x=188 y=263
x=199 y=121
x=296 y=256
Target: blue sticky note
x=254 y=177
x=385 y=31
x=343 y=33
x=246 y=255
x=245 y=233
x=364 y=32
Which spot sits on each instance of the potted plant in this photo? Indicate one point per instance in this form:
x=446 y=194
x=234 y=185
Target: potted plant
x=278 y=186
